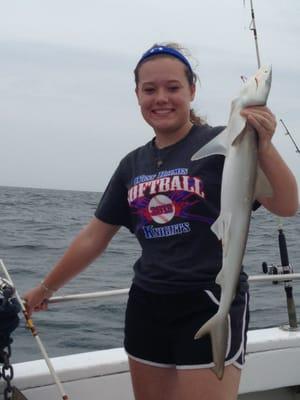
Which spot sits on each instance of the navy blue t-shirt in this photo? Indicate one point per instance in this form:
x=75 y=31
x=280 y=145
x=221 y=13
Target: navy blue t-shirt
x=170 y=202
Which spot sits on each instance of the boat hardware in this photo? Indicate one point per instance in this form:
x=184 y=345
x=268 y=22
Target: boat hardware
x=88 y=296
x=9 y=309
x=274 y=278
x=122 y=292
x=34 y=333
x=7 y=373
x=285 y=270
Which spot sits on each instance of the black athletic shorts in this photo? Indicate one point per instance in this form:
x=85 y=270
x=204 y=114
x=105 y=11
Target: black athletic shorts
x=160 y=328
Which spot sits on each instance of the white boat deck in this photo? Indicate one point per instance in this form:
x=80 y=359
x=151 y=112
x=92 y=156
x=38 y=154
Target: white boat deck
x=271 y=371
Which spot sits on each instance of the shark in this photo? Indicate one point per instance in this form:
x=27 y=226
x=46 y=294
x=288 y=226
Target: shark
x=242 y=182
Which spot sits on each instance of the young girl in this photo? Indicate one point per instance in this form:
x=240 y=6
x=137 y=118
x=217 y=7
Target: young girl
x=169 y=203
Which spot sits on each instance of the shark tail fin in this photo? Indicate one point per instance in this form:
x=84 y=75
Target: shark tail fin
x=217 y=328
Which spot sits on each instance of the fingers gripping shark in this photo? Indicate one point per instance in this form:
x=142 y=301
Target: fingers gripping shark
x=242 y=182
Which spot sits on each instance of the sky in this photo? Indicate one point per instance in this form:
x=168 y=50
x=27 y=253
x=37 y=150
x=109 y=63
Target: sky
x=68 y=110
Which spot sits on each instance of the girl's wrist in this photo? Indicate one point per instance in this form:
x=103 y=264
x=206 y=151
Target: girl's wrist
x=48 y=290
x=264 y=149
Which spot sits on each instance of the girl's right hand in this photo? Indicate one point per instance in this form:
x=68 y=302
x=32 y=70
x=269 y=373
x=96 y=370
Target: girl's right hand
x=36 y=299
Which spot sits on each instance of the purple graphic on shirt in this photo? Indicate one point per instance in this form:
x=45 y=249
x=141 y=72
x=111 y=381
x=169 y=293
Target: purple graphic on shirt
x=161 y=198
x=163 y=208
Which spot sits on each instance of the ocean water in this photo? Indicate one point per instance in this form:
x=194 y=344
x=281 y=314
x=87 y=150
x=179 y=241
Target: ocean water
x=36 y=226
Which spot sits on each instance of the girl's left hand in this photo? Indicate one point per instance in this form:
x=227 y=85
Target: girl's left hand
x=264 y=122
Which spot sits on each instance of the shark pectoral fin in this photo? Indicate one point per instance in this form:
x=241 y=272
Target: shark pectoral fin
x=263 y=187
x=221 y=225
x=218 y=371
x=217 y=328
x=218 y=145
x=220 y=278
x=217 y=228
x=221 y=229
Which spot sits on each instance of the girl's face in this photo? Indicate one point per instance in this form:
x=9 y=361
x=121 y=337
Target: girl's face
x=164 y=95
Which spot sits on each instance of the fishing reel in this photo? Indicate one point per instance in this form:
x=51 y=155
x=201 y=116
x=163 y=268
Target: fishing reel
x=7 y=290
x=274 y=269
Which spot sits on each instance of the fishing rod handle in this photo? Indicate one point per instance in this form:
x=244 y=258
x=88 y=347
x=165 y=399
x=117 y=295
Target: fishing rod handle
x=283 y=248
x=291 y=307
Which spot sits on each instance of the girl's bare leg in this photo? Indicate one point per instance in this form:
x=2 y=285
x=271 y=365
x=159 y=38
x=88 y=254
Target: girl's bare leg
x=196 y=384
x=154 y=383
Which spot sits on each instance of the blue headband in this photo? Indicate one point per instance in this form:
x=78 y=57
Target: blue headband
x=154 y=51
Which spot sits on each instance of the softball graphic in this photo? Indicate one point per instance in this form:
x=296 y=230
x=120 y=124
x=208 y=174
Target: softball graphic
x=161 y=209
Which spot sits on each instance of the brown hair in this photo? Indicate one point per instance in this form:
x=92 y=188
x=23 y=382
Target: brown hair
x=191 y=76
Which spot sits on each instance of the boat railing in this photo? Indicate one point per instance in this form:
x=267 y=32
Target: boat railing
x=122 y=292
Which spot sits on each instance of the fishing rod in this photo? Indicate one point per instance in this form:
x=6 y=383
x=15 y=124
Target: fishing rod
x=252 y=28
x=34 y=333
x=285 y=266
x=287 y=132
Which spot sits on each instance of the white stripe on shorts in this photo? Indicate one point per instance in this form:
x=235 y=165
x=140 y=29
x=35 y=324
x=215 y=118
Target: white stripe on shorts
x=241 y=349
x=151 y=363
